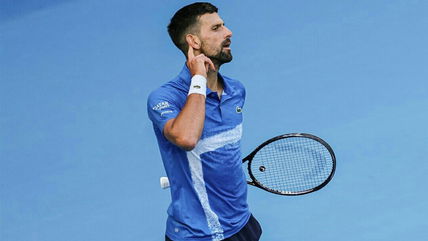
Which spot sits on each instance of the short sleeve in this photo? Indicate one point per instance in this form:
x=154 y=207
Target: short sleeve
x=161 y=108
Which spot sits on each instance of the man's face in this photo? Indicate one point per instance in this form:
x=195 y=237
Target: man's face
x=215 y=38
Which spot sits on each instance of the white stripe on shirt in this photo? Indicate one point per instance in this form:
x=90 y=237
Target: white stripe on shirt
x=194 y=157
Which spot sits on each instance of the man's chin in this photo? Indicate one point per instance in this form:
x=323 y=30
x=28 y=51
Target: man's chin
x=226 y=57
x=222 y=58
x=227 y=60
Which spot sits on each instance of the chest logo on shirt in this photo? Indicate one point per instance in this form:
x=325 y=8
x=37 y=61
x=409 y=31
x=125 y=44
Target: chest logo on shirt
x=238 y=109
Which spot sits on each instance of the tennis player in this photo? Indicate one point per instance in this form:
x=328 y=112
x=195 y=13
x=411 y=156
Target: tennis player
x=197 y=119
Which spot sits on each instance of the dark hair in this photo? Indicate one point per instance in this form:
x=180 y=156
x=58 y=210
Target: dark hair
x=184 y=19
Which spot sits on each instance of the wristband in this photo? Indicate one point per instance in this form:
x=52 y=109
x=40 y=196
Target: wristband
x=198 y=85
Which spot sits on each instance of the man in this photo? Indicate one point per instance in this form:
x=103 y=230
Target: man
x=197 y=119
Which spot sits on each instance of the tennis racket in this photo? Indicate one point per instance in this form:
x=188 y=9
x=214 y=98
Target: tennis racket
x=290 y=164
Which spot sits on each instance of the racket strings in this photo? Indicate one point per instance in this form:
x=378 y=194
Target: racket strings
x=292 y=165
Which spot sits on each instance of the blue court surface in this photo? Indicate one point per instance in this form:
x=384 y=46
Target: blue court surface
x=79 y=160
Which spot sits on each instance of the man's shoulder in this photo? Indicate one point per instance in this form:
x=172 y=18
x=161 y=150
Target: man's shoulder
x=171 y=91
x=234 y=82
x=235 y=86
x=171 y=87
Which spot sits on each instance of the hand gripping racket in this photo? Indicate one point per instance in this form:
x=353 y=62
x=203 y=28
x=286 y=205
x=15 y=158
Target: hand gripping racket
x=290 y=164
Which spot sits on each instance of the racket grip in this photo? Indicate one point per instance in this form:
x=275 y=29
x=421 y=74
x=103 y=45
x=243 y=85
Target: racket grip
x=164 y=182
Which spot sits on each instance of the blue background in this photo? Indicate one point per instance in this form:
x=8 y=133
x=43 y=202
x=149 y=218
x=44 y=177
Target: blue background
x=79 y=160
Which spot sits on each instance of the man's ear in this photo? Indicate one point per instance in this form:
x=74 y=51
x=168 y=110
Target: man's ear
x=193 y=41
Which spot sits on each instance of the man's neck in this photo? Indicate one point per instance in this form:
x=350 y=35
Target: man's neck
x=214 y=83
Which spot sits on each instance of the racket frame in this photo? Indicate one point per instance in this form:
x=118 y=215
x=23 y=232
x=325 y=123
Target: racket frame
x=256 y=183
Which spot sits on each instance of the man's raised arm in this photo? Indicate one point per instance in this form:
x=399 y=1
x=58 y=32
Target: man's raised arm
x=186 y=129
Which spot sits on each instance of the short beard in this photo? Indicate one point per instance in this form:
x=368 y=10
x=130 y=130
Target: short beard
x=222 y=57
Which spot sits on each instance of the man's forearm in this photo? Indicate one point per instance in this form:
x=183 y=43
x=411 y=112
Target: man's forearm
x=186 y=129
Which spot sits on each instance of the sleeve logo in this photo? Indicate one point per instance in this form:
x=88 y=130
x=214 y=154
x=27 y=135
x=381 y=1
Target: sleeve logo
x=160 y=106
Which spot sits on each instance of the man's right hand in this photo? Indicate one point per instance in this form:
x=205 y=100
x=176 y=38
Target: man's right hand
x=200 y=64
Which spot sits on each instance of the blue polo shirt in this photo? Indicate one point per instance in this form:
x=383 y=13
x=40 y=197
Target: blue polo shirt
x=208 y=185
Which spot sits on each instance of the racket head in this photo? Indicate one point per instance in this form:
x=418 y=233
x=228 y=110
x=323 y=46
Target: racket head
x=292 y=164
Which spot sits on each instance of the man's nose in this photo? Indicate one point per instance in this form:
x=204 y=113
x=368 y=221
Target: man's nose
x=228 y=32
